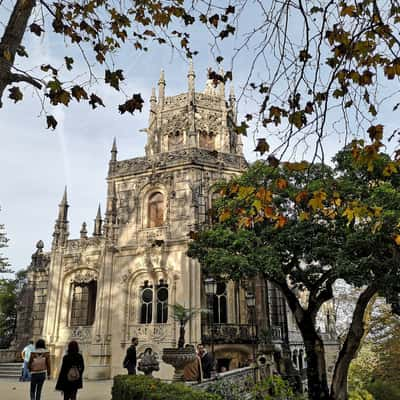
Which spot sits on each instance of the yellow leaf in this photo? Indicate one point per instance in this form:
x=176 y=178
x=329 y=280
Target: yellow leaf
x=349 y=214
x=316 y=202
x=257 y=204
x=245 y=191
x=397 y=239
x=304 y=216
x=390 y=169
x=269 y=212
x=225 y=216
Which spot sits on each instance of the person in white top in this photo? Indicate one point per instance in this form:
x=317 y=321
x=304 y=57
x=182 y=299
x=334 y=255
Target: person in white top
x=26 y=355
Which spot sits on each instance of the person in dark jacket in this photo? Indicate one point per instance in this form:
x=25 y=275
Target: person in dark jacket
x=130 y=357
x=70 y=377
x=207 y=362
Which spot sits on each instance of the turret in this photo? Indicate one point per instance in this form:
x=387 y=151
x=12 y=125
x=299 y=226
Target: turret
x=221 y=86
x=114 y=151
x=98 y=223
x=232 y=102
x=191 y=106
x=191 y=78
x=153 y=108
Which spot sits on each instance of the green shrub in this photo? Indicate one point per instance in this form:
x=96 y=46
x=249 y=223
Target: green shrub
x=228 y=390
x=382 y=390
x=360 y=394
x=140 y=387
x=274 y=388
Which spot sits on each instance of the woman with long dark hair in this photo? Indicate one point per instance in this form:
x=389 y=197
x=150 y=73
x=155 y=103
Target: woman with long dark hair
x=70 y=377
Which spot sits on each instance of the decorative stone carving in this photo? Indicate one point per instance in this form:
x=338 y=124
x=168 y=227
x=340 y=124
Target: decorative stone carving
x=179 y=358
x=84 y=276
x=157 y=333
x=81 y=333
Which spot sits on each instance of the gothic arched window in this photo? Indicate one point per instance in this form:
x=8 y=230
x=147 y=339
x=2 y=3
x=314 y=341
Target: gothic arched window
x=175 y=140
x=206 y=140
x=156 y=210
x=146 y=310
x=220 y=304
x=83 y=306
x=162 y=302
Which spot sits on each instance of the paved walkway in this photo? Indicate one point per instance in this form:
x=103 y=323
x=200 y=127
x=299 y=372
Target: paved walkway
x=92 y=390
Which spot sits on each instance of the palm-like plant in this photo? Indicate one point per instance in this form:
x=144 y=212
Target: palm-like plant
x=182 y=315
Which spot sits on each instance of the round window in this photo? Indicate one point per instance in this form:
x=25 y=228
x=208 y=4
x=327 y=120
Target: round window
x=162 y=294
x=147 y=295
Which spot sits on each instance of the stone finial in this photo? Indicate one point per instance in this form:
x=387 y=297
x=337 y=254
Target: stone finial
x=83 y=231
x=162 y=77
x=40 y=245
x=191 y=76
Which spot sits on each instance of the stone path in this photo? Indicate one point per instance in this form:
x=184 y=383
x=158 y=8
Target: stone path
x=92 y=390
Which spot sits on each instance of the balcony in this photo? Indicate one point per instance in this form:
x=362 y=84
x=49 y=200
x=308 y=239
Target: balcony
x=228 y=333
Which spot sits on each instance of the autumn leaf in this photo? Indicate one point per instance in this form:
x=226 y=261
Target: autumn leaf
x=397 y=239
x=36 y=29
x=280 y=222
x=225 y=216
x=264 y=195
x=114 y=78
x=349 y=214
x=245 y=191
x=301 y=196
x=79 y=93
x=304 y=216
x=15 y=94
x=51 y=122
x=317 y=200
x=68 y=62
x=390 y=169
x=375 y=132
x=95 y=101
x=131 y=105
x=269 y=212
x=262 y=146
x=281 y=183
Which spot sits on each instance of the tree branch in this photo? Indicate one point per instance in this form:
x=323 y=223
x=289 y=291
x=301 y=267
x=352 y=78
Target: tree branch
x=25 y=78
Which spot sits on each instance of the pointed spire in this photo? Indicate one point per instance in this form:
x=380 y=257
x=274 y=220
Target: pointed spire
x=114 y=150
x=97 y=223
x=221 y=86
x=63 y=207
x=161 y=88
x=83 y=231
x=232 y=92
x=191 y=76
x=153 y=101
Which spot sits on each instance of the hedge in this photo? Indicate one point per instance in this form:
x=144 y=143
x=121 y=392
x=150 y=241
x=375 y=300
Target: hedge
x=140 y=387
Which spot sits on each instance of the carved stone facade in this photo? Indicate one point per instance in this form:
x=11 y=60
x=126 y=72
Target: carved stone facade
x=135 y=264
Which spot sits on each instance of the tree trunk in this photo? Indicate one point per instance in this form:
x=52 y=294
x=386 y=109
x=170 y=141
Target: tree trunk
x=351 y=345
x=181 y=340
x=12 y=39
x=316 y=368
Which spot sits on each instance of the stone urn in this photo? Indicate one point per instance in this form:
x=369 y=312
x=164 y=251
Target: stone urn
x=148 y=362
x=179 y=358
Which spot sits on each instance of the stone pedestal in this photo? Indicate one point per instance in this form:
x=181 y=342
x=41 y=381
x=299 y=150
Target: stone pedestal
x=178 y=358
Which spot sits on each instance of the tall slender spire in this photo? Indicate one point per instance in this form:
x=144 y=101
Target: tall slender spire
x=161 y=88
x=191 y=77
x=232 y=102
x=60 y=234
x=114 y=150
x=98 y=223
x=63 y=207
x=221 y=85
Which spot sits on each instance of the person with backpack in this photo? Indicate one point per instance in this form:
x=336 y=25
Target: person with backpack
x=39 y=365
x=130 y=357
x=72 y=367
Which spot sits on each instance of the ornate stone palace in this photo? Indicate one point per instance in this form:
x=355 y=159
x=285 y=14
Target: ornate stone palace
x=104 y=289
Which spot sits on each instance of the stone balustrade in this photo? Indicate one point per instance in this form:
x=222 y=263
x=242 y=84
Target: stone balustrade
x=7 y=356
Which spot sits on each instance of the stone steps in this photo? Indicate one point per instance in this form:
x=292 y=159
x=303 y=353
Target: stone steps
x=10 y=370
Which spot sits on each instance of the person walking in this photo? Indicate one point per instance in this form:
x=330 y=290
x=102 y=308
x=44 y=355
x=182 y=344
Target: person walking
x=72 y=367
x=130 y=357
x=193 y=372
x=39 y=365
x=26 y=355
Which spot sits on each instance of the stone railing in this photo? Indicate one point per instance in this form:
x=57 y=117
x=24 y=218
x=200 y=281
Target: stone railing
x=242 y=379
x=228 y=333
x=7 y=356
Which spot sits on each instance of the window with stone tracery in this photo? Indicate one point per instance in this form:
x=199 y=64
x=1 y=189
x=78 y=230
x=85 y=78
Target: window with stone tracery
x=175 y=140
x=220 y=304
x=206 y=140
x=156 y=210
x=146 y=308
x=162 y=303
x=83 y=305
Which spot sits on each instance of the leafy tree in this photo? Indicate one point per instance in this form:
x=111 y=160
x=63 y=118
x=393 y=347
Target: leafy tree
x=3 y=243
x=303 y=227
